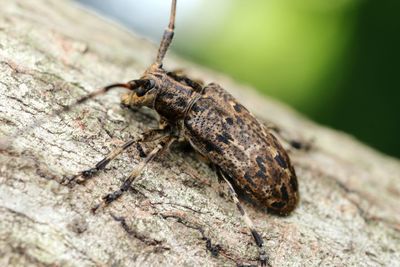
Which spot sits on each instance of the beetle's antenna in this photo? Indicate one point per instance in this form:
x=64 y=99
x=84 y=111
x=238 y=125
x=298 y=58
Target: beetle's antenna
x=6 y=141
x=167 y=36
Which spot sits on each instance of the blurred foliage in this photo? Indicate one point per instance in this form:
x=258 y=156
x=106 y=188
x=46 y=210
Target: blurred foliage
x=335 y=61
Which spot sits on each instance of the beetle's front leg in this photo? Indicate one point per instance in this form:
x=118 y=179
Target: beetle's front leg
x=83 y=176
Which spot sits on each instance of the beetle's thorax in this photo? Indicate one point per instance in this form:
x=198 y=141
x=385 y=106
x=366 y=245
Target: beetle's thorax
x=170 y=97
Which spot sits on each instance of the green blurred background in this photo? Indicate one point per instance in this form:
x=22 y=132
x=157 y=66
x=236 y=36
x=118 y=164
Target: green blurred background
x=334 y=61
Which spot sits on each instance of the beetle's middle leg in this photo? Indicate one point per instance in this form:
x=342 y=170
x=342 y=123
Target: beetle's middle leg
x=180 y=76
x=162 y=146
x=83 y=176
x=263 y=258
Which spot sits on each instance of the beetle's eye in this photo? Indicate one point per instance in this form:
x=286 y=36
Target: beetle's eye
x=142 y=90
x=150 y=84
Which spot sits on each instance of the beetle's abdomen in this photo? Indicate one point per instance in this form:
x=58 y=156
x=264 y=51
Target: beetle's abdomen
x=225 y=132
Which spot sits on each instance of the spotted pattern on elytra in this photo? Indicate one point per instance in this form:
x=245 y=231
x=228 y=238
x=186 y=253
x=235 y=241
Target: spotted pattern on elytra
x=229 y=135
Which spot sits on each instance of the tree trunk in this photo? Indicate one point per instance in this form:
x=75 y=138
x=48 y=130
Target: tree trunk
x=52 y=52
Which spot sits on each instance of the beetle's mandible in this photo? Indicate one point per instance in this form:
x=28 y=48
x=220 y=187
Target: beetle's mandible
x=245 y=154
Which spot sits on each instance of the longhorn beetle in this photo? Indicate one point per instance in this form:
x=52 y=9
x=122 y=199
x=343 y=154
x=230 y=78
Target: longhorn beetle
x=245 y=154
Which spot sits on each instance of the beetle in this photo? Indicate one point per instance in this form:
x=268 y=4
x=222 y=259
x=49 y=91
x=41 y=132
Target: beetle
x=245 y=153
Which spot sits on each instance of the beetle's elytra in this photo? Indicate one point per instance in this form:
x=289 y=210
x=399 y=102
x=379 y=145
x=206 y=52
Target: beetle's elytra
x=245 y=154
x=225 y=132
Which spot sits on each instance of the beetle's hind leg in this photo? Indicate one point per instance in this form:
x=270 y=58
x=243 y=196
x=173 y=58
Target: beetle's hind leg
x=263 y=258
x=85 y=175
x=297 y=143
x=162 y=146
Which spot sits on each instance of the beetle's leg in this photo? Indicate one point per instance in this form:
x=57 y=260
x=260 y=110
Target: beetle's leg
x=220 y=186
x=161 y=147
x=249 y=223
x=295 y=143
x=131 y=85
x=179 y=76
x=85 y=175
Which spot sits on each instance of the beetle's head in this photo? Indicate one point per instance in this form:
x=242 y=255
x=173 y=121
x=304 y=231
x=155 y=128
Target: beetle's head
x=143 y=91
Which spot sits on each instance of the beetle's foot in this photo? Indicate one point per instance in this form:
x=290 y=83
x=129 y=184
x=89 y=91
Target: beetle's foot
x=263 y=258
x=304 y=145
x=107 y=199
x=79 y=178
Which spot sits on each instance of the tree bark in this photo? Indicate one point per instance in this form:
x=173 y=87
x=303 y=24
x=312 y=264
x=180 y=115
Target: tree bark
x=52 y=52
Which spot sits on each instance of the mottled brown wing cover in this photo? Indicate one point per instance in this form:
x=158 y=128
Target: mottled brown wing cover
x=224 y=131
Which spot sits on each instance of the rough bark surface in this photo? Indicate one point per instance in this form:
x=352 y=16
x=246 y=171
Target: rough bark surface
x=51 y=52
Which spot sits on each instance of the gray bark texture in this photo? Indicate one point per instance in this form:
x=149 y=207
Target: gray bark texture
x=52 y=52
